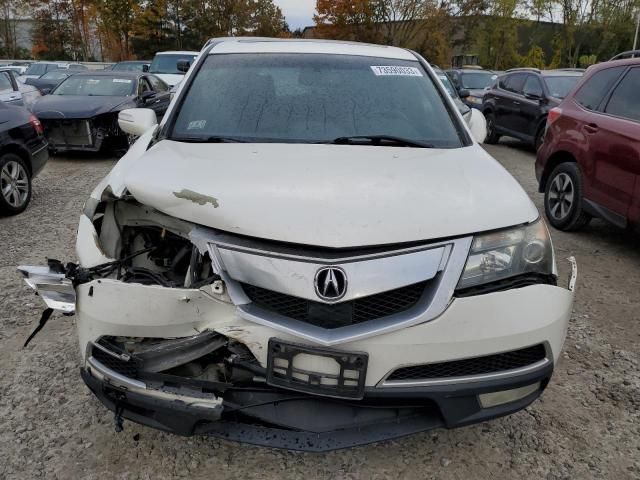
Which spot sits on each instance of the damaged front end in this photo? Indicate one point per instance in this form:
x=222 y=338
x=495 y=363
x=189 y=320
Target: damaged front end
x=84 y=134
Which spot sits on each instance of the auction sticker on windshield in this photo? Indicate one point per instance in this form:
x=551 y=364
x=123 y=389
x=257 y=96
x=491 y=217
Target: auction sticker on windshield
x=381 y=71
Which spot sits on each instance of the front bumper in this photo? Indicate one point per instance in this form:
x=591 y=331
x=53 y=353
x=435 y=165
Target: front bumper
x=282 y=419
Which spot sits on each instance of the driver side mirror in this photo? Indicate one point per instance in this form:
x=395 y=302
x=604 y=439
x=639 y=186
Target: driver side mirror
x=464 y=93
x=145 y=68
x=45 y=91
x=147 y=95
x=137 y=121
x=183 y=65
x=533 y=96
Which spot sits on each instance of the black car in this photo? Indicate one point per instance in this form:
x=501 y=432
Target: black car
x=23 y=154
x=471 y=84
x=50 y=80
x=82 y=112
x=132 y=66
x=518 y=103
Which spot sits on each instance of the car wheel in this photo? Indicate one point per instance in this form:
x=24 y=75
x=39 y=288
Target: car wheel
x=492 y=135
x=563 y=200
x=15 y=184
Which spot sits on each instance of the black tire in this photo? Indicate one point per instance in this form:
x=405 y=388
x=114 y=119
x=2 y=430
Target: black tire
x=15 y=184
x=563 y=198
x=492 y=136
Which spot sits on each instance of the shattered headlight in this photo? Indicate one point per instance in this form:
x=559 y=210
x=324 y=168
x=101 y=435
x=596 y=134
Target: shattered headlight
x=509 y=253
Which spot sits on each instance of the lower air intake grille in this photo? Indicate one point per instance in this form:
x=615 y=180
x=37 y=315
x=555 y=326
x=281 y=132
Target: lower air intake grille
x=472 y=366
x=339 y=314
x=126 y=368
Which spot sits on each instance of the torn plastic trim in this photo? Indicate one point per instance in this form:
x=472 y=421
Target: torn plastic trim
x=52 y=285
x=574 y=274
x=194 y=399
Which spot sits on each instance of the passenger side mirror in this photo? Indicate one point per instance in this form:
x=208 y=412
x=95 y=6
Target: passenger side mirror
x=137 y=121
x=464 y=93
x=478 y=125
x=183 y=65
x=45 y=91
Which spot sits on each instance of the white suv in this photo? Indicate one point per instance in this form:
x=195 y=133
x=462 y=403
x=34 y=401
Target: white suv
x=311 y=251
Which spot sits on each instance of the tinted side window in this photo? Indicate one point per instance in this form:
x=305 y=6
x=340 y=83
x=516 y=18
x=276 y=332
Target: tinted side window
x=5 y=83
x=532 y=86
x=593 y=92
x=624 y=101
x=515 y=82
x=157 y=84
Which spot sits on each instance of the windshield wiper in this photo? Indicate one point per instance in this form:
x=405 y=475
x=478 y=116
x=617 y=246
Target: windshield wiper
x=210 y=139
x=379 y=139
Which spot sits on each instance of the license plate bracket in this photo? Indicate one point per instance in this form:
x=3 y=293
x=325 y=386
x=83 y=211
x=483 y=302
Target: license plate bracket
x=346 y=381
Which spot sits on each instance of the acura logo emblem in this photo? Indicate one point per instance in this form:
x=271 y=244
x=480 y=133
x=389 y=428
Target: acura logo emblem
x=331 y=283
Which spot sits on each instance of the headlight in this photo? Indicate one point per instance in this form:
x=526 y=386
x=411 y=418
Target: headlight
x=476 y=100
x=508 y=253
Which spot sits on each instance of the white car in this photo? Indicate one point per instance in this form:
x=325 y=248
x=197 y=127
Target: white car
x=311 y=251
x=166 y=65
x=14 y=92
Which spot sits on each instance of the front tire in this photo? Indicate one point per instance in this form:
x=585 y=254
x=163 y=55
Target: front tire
x=492 y=136
x=563 y=198
x=15 y=184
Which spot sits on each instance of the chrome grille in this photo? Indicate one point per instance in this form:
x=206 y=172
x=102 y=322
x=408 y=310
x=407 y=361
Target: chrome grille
x=339 y=314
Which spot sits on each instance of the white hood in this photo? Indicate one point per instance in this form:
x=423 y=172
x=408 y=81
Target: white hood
x=328 y=195
x=170 y=79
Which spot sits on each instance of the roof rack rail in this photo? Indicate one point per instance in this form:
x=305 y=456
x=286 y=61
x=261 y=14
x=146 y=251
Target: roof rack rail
x=627 y=54
x=523 y=69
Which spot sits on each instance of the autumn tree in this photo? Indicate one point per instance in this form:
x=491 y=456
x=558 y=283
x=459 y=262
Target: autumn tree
x=348 y=20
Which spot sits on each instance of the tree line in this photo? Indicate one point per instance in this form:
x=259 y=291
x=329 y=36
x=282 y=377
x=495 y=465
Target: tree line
x=115 y=30
x=503 y=33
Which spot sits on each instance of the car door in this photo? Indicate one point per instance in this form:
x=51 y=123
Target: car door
x=163 y=96
x=9 y=92
x=617 y=168
x=509 y=101
x=593 y=157
x=530 y=108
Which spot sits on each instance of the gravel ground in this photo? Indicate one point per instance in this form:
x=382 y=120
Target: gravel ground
x=586 y=425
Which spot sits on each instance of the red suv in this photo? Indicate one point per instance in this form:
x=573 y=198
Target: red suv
x=589 y=163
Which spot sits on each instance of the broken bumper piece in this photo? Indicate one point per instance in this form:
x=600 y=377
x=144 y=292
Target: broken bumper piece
x=268 y=416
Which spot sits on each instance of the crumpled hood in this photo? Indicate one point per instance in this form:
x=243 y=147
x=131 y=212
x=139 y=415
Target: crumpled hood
x=78 y=106
x=329 y=195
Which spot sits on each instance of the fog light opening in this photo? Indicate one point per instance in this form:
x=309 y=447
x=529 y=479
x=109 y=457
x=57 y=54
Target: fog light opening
x=493 y=399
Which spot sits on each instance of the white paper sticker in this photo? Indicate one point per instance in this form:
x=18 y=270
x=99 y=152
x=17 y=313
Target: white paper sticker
x=196 y=125
x=381 y=71
x=121 y=80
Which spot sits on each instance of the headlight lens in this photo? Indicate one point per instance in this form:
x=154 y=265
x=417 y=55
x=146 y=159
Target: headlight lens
x=508 y=253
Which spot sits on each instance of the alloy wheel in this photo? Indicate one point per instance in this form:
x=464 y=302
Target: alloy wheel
x=14 y=184
x=561 y=196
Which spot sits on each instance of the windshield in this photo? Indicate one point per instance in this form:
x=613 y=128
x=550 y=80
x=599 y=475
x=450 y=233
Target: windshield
x=560 y=87
x=54 y=75
x=103 y=85
x=167 y=63
x=313 y=98
x=446 y=81
x=477 y=80
x=128 y=67
x=38 y=68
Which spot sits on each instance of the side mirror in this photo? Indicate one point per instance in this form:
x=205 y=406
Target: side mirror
x=478 y=125
x=45 y=91
x=145 y=68
x=532 y=96
x=137 y=121
x=464 y=93
x=183 y=65
x=148 y=95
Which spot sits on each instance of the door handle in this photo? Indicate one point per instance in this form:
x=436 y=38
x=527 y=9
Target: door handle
x=590 y=128
x=516 y=103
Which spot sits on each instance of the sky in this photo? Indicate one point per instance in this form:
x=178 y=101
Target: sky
x=298 y=13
